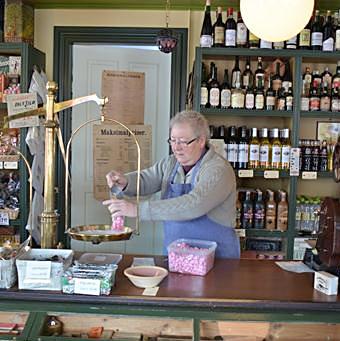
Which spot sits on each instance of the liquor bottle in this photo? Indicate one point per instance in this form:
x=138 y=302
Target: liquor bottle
x=235 y=73
x=264 y=148
x=304 y=106
x=237 y=94
x=281 y=100
x=253 y=41
x=285 y=148
x=241 y=32
x=326 y=77
x=230 y=29
x=282 y=212
x=207 y=30
x=238 y=211
x=307 y=79
x=314 y=99
x=270 y=95
x=225 y=91
x=270 y=211
x=291 y=43
x=305 y=36
x=277 y=79
x=335 y=100
x=214 y=90
x=265 y=44
x=232 y=147
x=315 y=146
x=218 y=29
x=302 y=152
x=287 y=76
x=337 y=33
x=307 y=157
x=249 y=98
x=325 y=99
x=275 y=149
x=336 y=77
x=247 y=212
x=328 y=34
x=243 y=149
x=316 y=32
x=259 y=72
x=204 y=87
x=247 y=76
x=254 y=149
x=259 y=95
x=259 y=211
x=278 y=45
x=323 y=163
x=316 y=79
x=289 y=97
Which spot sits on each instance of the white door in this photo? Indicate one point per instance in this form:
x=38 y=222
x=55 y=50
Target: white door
x=88 y=63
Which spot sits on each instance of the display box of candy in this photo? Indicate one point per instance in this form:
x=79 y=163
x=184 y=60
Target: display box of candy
x=191 y=256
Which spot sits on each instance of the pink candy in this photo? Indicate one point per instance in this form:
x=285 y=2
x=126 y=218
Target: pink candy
x=118 y=223
x=188 y=259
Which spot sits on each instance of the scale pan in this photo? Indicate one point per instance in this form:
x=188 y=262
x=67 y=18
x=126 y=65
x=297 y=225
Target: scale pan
x=99 y=233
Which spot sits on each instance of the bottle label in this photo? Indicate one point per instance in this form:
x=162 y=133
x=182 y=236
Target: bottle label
x=232 y=151
x=285 y=154
x=335 y=106
x=214 y=97
x=206 y=41
x=277 y=83
x=281 y=103
x=225 y=98
x=337 y=40
x=243 y=153
x=246 y=80
x=259 y=102
x=291 y=43
x=230 y=38
x=265 y=44
x=264 y=153
x=241 y=35
x=259 y=214
x=336 y=82
x=325 y=103
x=278 y=45
x=249 y=101
x=314 y=103
x=276 y=154
x=317 y=38
x=289 y=102
x=328 y=44
x=270 y=101
x=219 y=35
x=254 y=152
x=237 y=100
x=304 y=103
x=204 y=95
x=327 y=78
x=304 y=38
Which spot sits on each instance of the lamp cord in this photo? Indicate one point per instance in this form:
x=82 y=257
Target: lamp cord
x=167 y=9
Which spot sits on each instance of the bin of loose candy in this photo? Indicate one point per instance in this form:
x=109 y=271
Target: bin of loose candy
x=191 y=256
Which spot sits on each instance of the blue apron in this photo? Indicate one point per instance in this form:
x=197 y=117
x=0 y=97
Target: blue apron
x=228 y=245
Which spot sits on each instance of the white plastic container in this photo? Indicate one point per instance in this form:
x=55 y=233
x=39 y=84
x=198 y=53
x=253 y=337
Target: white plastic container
x=36 y=273
x=191 y=256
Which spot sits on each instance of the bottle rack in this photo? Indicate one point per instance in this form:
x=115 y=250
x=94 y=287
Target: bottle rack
x=295 y=117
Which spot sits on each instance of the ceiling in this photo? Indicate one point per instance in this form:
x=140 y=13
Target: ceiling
x=153 y=4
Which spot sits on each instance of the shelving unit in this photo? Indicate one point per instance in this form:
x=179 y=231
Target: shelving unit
x=30 y=56
x=293 y=119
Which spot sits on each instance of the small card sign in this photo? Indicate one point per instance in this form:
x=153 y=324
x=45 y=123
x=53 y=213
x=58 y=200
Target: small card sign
x=294 y=161
x=271 y=174
x=38 y=270
x=10 y=165
x=4 y=218
x=87 y=286
x=309 y=175
x=246 y=173
x=240 y=233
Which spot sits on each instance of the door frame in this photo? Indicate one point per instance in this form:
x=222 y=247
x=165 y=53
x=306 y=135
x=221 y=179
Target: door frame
x=64 y=39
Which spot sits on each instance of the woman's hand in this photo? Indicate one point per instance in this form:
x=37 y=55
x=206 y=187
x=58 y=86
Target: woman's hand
x=121 y=208
x=117 y=179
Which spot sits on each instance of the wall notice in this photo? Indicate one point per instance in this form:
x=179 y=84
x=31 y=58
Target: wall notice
x=115 y=149
x=125 y=91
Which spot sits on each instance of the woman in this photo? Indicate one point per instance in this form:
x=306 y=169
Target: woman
x=198 y=189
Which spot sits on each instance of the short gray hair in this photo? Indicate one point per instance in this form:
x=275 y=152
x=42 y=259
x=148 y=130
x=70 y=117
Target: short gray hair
x=196 y=120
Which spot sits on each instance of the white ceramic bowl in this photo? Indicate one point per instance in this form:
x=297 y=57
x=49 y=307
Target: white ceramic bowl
x=145 y=276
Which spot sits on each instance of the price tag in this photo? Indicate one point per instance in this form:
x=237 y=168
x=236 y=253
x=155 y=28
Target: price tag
x=294 y=162
x=246 y=173
x=1 y=165
x=309 y=175
x=271 y=174
x=38 y=271
x=10 y=165
x=87 y=286
x=240 y=233
x=4 y=218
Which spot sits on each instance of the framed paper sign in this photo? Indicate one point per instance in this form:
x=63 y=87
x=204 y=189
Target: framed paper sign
x=328 y=130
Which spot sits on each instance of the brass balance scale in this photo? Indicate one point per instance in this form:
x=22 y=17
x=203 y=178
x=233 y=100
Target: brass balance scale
x=49 y=217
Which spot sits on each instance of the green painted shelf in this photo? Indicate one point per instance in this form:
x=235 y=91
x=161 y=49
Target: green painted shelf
x=245 y=112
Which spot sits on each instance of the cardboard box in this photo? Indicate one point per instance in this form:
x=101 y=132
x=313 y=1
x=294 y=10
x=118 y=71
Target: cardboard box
x=326 y=283
x=19 y=22
x=37 y=273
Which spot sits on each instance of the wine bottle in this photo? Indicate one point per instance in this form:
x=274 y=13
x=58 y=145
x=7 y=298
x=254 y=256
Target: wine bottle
x=278 y=45
x=259 y=72
x=247 y=212
x=328 y=34
x=325 y=99
x=315 y=155
x=249 y=98
x=305 y=36
x=259 y=95
x=254 y=149
x=281 y=100
x=287 y=77
x=285 y=148
x=225 y=91
x=270 y=95
x=314 y=99
x=337 y=32
x=204 y=87
x=235 y=73
x=265 y=44
x=264 y=148
x=218 y=29
x=232 y=147
x=304 y=106
x=289 y=97
x=247 y=75
x=253 y=41
x=230 y=29
x=237 y=94
x=317 y=32
x=241 y=32
x=259 y=211
x=282 y=212
x=275 y=149
x=326 y=77
x=243 y=149
x=336 y=77
x=207 y=30
x=214 y=90
x=270 y=211
x=277 y=79
x=291 y=43
x=307 y=78
x=323 y=157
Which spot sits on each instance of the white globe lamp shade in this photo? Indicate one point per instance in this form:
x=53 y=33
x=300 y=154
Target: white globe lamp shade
x=276 y=20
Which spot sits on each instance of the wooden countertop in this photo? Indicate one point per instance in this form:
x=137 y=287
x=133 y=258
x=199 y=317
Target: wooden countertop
x=231 y=283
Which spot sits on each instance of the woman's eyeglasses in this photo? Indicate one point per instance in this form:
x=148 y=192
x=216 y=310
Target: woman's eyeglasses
x=181 y=143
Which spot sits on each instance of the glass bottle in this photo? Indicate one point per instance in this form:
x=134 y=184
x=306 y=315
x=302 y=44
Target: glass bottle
x=326 y=77
x=325 y=99
x=328 y=34
x=237 y=95
x=225 y=91
x=281 y=100
x=204 y=87
x=307 y=79
x=265 y=44
x=235 y=72
x=259 y=95
x=207 y=30
x=336 y=77
x=214 y=90
x=264 y=148
x=289 y=97
x=275 y=149
x=282 y=212
x=314 y=99
x=254 y=149
x=254 y=41
x=218 y=29
x=278 y=45
x=287 y=77
x=238 y=211
x=241 y=32
x=316 y=78
x=291 y=43
x=247 y=75
x=305 y=36
x=230 y=29
x=270 y=95
x=277 y=79
x=259 y=211
x=315 y=146
x=337 y=31
x=259 y=72
x=285 y=148
x=247 y=212
x=249 y=98
x=317 y=32
x=270 y=211
x=243 y=149
x=323 y=162
x=307 y=157
x=304 y=98
x=232 y=147
x=335 y=100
